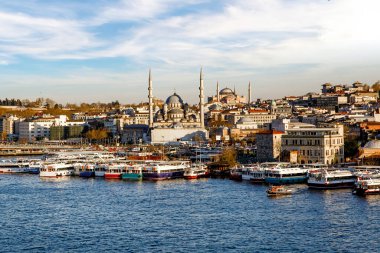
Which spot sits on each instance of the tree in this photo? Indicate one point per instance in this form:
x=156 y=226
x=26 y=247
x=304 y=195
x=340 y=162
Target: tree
x=228 y=156
x=376 y=86
x=97 y=134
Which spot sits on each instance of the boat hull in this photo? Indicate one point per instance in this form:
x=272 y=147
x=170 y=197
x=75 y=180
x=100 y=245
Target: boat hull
x=112 y=175
x=163 y=175
x=61 y=173
x=325 y=186
x=365 y=192
x=286 y=180
x=131 y=176
x=87 y=174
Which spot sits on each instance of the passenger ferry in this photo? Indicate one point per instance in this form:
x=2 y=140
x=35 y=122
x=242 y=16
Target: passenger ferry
x=132 y=172
x=196 y=171
x=88 y=170
x=13 y=167
x=335 y=179
x=114 y=171
x=56 y=170
x=367 y=187
x=164 y=170
x=100 y=170
x=254 y=174
x=285 y=174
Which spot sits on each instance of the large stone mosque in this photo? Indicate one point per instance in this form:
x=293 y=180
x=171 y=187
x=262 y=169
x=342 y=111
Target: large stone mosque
x=228 y=96
x=176 y=121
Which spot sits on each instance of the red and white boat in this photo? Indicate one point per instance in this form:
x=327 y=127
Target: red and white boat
x=114 y=171
x=196 y=171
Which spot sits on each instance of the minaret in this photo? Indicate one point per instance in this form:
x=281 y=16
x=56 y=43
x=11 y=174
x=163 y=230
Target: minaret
x=201 y=97
x=150 y=96
x=249 y=93
x=217 y=91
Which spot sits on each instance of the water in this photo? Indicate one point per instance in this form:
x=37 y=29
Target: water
x=210 y=215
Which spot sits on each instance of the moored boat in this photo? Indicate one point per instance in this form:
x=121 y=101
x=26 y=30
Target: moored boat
x=114 y=171
x=164 y=170
x=56 y=170
x=100 y=170
x=285 y=175
x=13 y=167
x=88 y=171
x=132 y=172
x=196 y=171
x=236 y=174
x=334 y=179
x=366 y=187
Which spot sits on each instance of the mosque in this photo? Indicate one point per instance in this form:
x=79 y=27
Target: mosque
x=176 y=121
x=228 y=96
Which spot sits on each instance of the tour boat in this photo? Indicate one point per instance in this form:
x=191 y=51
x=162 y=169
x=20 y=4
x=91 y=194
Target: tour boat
x=254 y=174
x=12 y=167
x=196 y=171
x=278 y=190
x=165 y=170
x=100 y=170
x=365 y=187
x=88 y=171
x=114 y=171
x=335 y=179
x=132 y=172
x=285 y=175
x=56 y=170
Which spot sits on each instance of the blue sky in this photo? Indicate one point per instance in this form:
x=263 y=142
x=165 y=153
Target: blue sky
x=88 y=50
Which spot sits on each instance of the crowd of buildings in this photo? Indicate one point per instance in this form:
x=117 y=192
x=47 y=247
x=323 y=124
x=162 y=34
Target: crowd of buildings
x=312 y=128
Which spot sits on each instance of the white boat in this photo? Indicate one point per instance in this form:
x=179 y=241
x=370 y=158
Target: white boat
x=161 y=170
x=196 y=171
x=285 y=173
x=56 y=170
x=100 y=170
x=366 y=187
x=333 y=179
x=11 y=167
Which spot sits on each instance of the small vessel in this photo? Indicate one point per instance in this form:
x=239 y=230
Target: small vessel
x=114 y=171
x=278 y=190
x=132 y=172
x=365 y=187
x=236 y=174
x=335 y=179
x=196 y=171
x=56 y=170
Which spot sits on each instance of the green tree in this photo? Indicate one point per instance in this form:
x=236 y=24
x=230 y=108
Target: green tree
x=228 y=156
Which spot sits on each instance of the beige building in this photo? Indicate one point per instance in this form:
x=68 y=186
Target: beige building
x=268 y=145
x=315 y=145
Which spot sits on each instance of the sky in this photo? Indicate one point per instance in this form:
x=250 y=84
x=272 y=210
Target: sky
x=101 y=50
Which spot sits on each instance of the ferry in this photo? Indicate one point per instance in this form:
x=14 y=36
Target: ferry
x=367 y=187
x=254 y=174
x=196 y=171
x=100 y=170
x=114 y=171
x=88 y=171
x=132 y=172
x=285 y=174
x=335 y=179
x=56 y=170
x=13 y=167
x=164 y=170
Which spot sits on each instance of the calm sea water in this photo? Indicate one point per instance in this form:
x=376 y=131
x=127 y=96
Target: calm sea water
x=210 y=215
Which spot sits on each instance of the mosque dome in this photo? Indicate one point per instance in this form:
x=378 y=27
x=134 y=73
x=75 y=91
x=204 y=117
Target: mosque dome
x=174 y=99
x=373 y=144
x=175 y=111
x=226 y=91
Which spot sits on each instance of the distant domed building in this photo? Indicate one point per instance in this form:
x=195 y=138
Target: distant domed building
x=176 y=121
x=229 y=96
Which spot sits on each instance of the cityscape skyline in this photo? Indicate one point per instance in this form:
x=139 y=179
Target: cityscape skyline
x=70 y=53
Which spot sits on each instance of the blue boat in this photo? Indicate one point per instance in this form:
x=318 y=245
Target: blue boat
x=166 y=170
x=88 y=171
x=280 y=175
